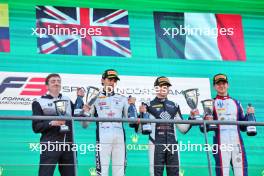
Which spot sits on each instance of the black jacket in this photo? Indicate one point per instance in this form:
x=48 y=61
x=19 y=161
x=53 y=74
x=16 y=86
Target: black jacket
x=44 y=106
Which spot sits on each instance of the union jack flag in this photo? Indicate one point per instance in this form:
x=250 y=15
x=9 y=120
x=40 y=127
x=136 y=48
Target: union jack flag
x=83 y=31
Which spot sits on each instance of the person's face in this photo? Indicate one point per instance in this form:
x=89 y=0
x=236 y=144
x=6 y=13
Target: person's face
x=81 y=92
x=221 y=88
x=163 y=91
x=109 y=83
x=54 y=85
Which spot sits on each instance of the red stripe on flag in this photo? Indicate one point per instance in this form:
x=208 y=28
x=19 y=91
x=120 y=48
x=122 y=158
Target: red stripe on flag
x=231 y=46
x=65 y=42
x=4 y=45
x=85 y=22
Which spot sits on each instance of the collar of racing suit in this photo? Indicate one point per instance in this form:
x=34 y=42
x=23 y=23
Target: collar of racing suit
x=222 y=97
x=162 y=100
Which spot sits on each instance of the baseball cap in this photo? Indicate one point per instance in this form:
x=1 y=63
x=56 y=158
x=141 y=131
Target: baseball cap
x=220 y=77
x=110 y=73
x=162 y=80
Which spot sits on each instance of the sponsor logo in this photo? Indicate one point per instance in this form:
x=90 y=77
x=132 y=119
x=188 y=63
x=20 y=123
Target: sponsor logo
x=134 y=138
x=31 y=86
x=104 y=108
x=27 y=87
x=92 y=171
x=135 y=146
x=158 y=106
x=102 y=103
x=165 y=115
x=169 y=105
x=110 y=114
x=220 y=104
x=181 y=172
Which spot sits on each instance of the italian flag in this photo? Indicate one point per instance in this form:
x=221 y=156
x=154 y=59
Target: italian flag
x=199 y=36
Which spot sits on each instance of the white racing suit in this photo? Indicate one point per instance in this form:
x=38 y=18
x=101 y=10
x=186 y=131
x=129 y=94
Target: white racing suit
x=110 y=135
x=226 y=108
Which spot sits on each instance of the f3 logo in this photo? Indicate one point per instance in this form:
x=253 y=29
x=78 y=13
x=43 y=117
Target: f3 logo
x=33 y=86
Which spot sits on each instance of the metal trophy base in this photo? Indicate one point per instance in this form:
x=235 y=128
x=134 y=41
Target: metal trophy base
x=64 y=129
x=251 y=131
x=146 y=129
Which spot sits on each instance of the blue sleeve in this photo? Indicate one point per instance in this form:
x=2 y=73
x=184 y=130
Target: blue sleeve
x=241 y=116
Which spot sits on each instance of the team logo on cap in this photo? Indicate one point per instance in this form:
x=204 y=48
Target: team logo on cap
x=111 y=72
x=220 y=77
x=164 y=80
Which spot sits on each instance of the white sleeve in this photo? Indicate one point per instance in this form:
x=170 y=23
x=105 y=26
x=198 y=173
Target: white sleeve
x=125 y=108
x=85 y=124
x=184 y=128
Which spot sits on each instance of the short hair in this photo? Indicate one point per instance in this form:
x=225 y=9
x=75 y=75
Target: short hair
x=80 y=88
x=50 y=76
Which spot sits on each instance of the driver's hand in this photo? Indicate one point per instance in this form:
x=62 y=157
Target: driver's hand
x=86 y=108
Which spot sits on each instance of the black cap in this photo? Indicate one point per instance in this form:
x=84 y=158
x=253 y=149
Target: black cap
x=220 y=77
x=110 y=73
x=162 y=80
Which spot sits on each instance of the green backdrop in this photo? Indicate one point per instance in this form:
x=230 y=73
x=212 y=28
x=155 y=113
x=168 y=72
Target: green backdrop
x=245 y=77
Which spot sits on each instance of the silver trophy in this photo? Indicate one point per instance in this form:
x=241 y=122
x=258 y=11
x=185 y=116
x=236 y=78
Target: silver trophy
x=191 y=97
x=91 y=96
x=208 y=107
x=61 y=110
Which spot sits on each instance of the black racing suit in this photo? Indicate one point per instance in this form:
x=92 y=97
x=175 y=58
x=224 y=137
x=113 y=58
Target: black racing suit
x=44 y=106
x=162 y=135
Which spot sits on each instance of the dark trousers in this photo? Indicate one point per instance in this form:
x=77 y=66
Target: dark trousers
x=162 y=158
x=49 y=160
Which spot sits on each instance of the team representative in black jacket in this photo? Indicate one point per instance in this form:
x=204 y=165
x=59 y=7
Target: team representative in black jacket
x=50 y=131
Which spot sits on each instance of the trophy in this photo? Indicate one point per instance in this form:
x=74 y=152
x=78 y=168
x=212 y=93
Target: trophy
x=61 y=109
x=78 y=111
x=208 y=106
x=191 y=97
x=91 y=96
x=251 y=130
x=132 y=111
x=146 y=127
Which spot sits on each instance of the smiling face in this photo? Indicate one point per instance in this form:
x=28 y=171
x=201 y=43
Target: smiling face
x=221 y=88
